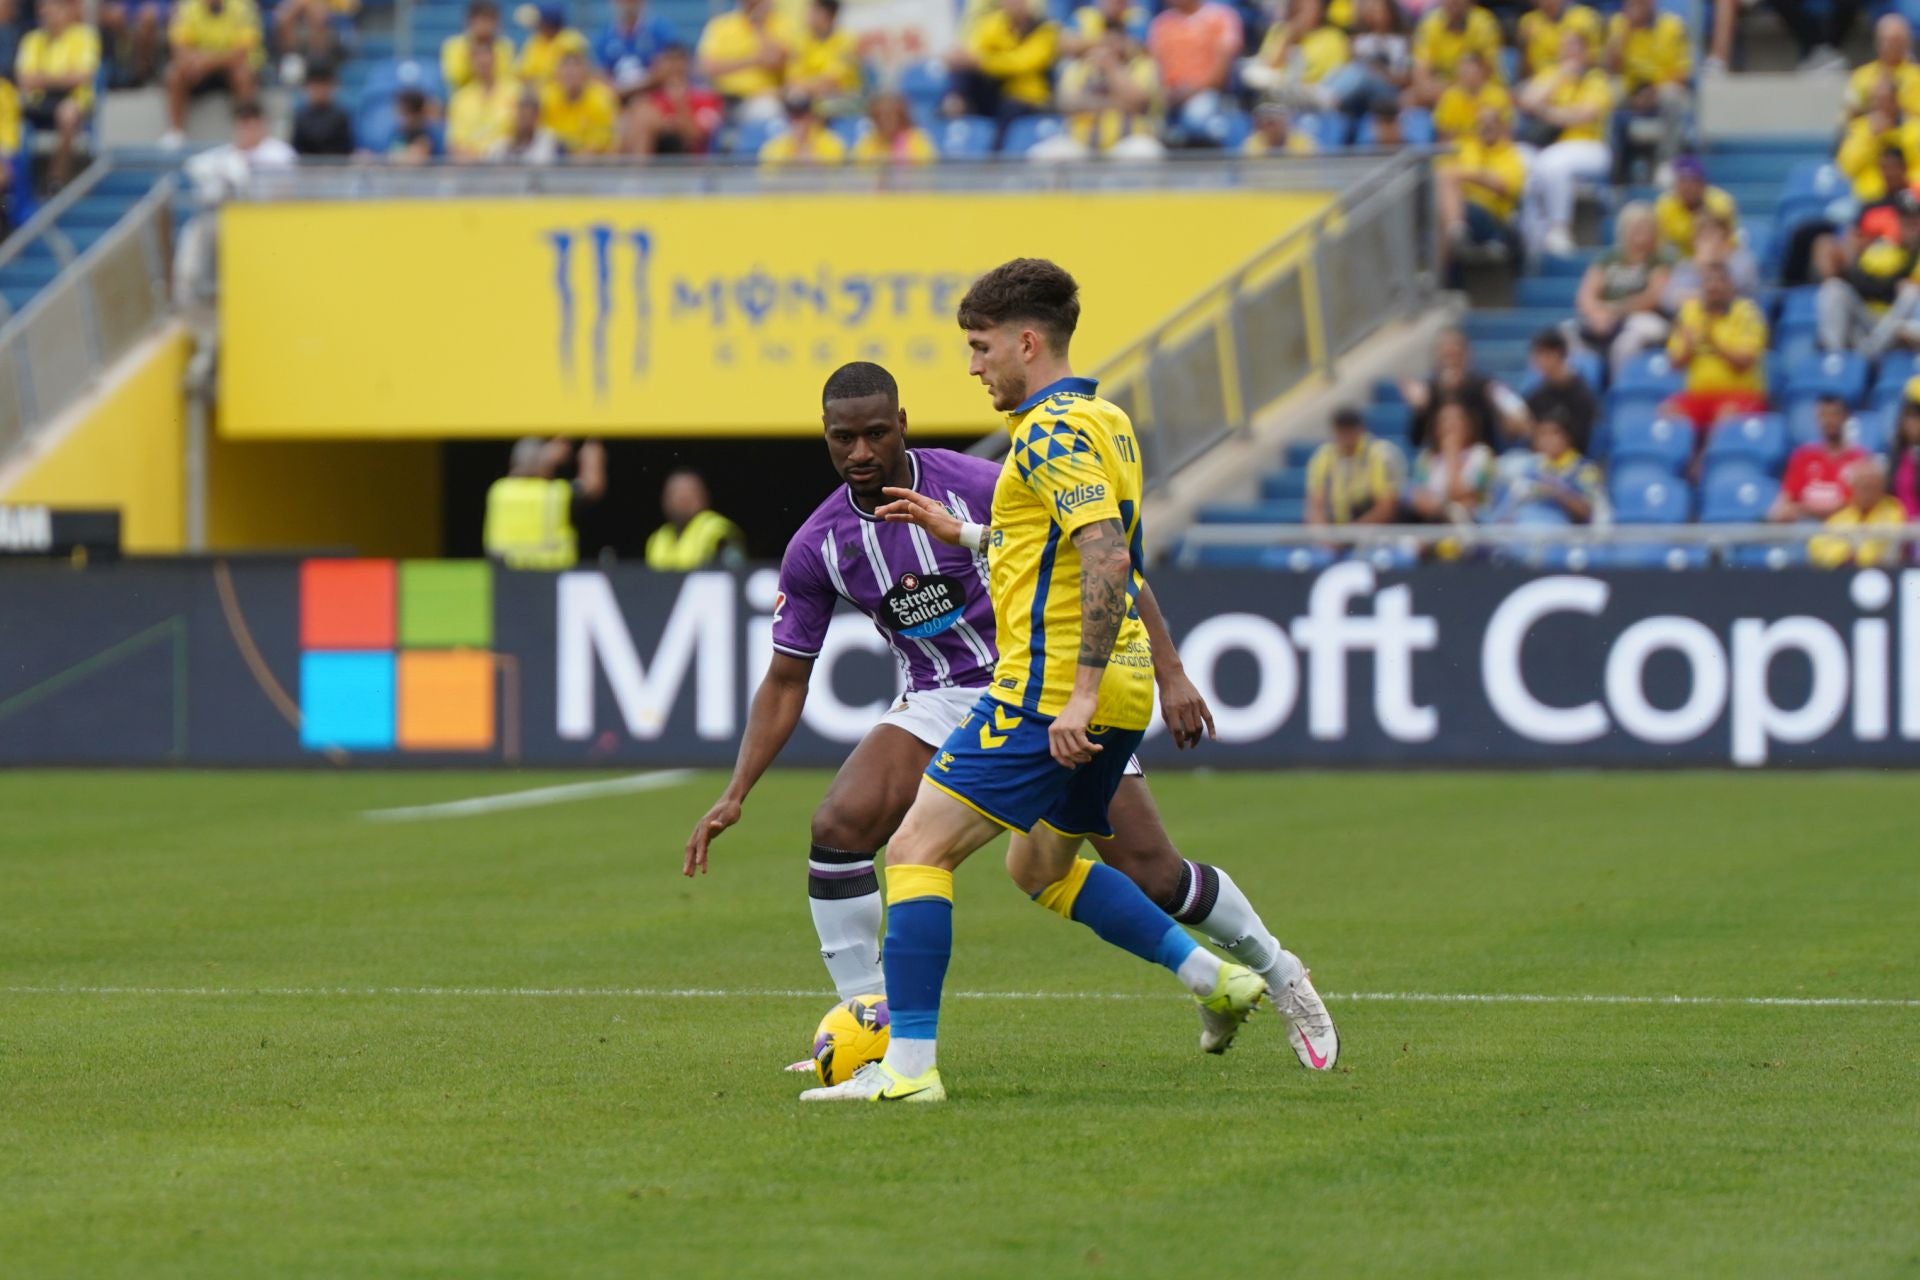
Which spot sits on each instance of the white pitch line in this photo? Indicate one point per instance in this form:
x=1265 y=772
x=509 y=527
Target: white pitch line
x=533 y=799
x=807 y=993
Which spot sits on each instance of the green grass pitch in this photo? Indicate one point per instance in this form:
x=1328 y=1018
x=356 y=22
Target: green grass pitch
x=314 y=1065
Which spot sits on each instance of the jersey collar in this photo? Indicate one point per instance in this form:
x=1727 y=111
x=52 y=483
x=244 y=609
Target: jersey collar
x=1060 y=386
x=913 y=462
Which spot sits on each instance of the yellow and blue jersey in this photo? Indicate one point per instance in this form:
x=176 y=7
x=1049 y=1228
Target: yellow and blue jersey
x=1074 y=462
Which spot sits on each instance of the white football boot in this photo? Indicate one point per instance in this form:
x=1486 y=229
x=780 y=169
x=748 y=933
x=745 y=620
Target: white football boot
x=877 y=1082
x=1309 y=1025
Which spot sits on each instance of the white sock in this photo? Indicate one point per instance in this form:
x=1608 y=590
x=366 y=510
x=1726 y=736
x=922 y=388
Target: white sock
x=1213 y=904
x=844 y=895
x=1200 y=972
x=910 y=1058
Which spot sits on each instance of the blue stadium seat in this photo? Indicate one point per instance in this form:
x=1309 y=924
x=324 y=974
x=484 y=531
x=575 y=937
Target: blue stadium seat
x=1646 y=494
x=1662 y=443
x=1736 y=493
x=1798 y=307
x=965 y=137
x=1649 y=375
x=1874 y=428
x=1788 y=555
x=924 y=83
x=1416 y=126
x=1284 y=512
x=1301 y=452
x=751 y=135
x=1591 y=368
x=1282 y=486
x=1814 y=178
x=1759 y=438
x=1027 y=130
x=1391 y=420
x=1841 y=373
x=1327 y=129
x=1229 y=129
x=1894 y=369
x=1793 y=344
x=850 y=129
x=384 y=79
x=1672 y=557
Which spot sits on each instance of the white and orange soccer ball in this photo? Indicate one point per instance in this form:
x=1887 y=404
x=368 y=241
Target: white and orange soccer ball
x=853 y=1033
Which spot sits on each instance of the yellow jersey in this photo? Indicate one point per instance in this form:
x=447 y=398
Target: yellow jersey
x=1834 y=553
x=822 y=146
x=1323 y=51
x=1676 y=221
x=1099 y=130
x=1504 y=162
x=9 y=119
x=913 y=147
x=74 y=52
x=540 y=59
x=1859 y=155
x=236 y=26
x=1350 y=484
x=1659 y=53
x=456 y=61
x=1741 y=331
x=1023 y=64
x=1456 y=110
x=731 y=37
x=1074 y=462
x=1539 y=36
x=1592 y=90
x=583 y=125
x=1438 y=46
x=1905 y=77
x=1297 y=144
x=835 y=59
x=479 y=119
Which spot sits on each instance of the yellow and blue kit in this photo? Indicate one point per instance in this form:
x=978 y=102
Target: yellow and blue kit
x=1074 y=462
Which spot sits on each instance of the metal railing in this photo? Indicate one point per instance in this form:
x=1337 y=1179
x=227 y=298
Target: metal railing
x=103 y=302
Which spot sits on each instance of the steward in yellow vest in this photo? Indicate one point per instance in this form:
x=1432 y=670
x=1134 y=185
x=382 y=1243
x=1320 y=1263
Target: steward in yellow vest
x=695 y=535
x=530 y=512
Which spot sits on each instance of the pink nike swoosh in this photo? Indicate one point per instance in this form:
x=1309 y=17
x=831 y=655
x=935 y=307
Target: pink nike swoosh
x=1318 y=1063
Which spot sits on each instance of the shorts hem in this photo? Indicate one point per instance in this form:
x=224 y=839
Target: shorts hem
x=973 y=805
x=1076 y=835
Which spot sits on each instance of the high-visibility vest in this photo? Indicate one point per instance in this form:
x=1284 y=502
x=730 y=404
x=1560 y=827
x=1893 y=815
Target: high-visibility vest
x=530 y=523
x=682 y=550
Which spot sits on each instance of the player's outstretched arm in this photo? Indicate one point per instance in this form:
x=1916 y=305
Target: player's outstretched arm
x=909 y=507
x=770 y=722
x=1181 y=705
x=1105 y=568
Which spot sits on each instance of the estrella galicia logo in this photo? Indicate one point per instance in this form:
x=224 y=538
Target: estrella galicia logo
x=602 y=240
x=1067 y=499
x=924 y=604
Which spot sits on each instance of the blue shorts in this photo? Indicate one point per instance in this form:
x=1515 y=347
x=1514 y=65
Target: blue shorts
x=997 y=762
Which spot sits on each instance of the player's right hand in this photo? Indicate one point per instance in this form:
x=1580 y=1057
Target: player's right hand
x=723 y=815
x=909 y=507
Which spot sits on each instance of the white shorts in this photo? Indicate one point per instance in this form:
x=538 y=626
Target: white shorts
x=931 y=714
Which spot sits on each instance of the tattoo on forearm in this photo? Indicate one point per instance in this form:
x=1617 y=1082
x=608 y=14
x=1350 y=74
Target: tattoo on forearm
x=1104 y=568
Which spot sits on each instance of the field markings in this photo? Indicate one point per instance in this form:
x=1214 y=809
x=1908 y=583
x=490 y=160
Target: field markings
x=809 y=993
x=534 y=799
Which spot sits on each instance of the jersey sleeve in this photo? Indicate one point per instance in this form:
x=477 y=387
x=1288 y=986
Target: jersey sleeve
x=806 y=601
x=1057 y=460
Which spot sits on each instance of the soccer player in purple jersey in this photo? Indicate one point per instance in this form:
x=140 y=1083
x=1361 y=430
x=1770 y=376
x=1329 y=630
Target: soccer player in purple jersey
x=930 y=601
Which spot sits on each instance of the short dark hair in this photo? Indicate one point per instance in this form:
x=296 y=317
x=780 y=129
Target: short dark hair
x=831 y=6
x=1025 y=289
x=1832 y=397
x=483 y=9
x=1348 y=416
x=321 y=72
x=247 y=111
x=1550 y=340
x=857 y=381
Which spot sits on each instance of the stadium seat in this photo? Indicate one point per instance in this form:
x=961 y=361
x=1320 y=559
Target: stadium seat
x=1416 y=126
x=1797 y=307
x=1639 y=438
x=965 y=137
x=850 y=129
x=1760 y=438
x=1736 y=493
x=924 y=83
x=1814 y=178
x=1645 y=494
x=751 y=135
x=1284 y=485
x=1792 y=345
x=1671 y=557
x=1027 y=130
x=1648 y=376
x=1894 y=369
x=1841 y=373
x=1289 y=512
x=1780 y=555
x=1300 y=452
x=1874 y=428
x=1229 y=129
x=1326 y=129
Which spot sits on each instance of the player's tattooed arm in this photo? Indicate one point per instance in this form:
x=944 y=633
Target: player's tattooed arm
x=1105 y=566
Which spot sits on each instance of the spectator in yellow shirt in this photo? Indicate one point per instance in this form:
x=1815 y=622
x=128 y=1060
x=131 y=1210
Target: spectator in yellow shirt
x=743 y=54
x=1478 y=189
x=1111 y=99
x=1473 y=91
x=1720 y=343
x=551 y=42
x=9 y=148
x=1892 y=64
x=1869 y=136
x=1356 y=477
x=807 y=140
x=894 y=138
x=1686 y=202
x=1298 y=58
x=480 y=113
x=1449 y=30
x=214 y=44
x=1870 y=504
x=1005 y=67
x=1568 y=103
x=1091 y=21
x=55 y=69
x=1540 y=30
x=826 y=65
x=578 y=110
x=483 y=27
x=1273 y=134
x=1651 y=55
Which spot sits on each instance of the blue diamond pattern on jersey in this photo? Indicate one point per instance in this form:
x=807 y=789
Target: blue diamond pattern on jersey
x=1044 y=440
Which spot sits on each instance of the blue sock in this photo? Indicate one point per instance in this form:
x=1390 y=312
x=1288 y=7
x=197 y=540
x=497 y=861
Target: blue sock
x=1114 y=907
x=919 y=944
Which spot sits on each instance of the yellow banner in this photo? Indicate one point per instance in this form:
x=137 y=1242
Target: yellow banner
x=722 y=314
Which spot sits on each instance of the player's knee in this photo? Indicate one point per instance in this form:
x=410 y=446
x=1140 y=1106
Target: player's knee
x=839 y=826
x=1156 y=869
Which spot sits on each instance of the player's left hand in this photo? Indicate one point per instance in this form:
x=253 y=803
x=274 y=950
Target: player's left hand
x=1067 y=736
x=1184 y=710
x=909 y=507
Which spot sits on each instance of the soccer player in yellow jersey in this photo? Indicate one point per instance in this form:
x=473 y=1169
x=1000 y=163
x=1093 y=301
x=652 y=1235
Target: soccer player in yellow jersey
x=1042 y=752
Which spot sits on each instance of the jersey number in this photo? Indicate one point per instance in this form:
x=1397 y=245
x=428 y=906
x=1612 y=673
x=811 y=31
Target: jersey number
x=1125 y=445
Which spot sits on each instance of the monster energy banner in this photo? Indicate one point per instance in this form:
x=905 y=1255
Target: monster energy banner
x=371 y=663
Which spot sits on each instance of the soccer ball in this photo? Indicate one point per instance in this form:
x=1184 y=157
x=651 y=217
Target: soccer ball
x=853 y=1033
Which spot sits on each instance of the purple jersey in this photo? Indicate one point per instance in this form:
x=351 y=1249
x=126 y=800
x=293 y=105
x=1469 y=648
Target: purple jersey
x=928 y=599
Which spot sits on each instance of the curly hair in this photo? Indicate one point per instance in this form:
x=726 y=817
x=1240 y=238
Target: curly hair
x=1031 y=289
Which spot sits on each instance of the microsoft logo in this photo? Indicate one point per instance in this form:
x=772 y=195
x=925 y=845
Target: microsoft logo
x=396 y=655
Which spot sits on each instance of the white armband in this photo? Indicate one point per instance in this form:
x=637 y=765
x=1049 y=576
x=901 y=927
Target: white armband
x=973 y=536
